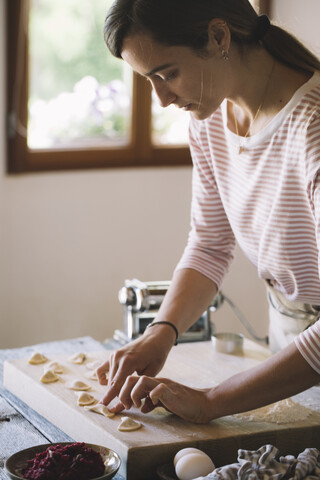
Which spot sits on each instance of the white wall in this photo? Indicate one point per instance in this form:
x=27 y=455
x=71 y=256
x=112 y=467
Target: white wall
x=68 y=240
x=301 y=17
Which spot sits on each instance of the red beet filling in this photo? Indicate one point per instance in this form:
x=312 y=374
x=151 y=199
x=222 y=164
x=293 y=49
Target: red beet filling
x=65 y=462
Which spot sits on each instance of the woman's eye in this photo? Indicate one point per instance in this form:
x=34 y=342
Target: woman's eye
x=164 y=78
x=169 y=77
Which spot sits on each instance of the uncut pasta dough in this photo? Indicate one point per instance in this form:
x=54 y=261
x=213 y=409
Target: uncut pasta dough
x=284 y=411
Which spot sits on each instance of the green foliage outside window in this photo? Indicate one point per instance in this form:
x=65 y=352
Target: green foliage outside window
x=77 y=88
x=67 y=44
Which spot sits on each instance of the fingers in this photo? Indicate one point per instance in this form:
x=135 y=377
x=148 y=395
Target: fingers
x=112 y=392
x=137 y=391
x=102 y=372
x=118 y=374
x=142 y=356
x=163 y=395
x=148 y=406
x=125 y=395
x=114 y=365
x=119 y=407
x=148 y=393
x=134 y=390
x=107 y=372
x=176 y=398
x=126 y=392
x=109 y=368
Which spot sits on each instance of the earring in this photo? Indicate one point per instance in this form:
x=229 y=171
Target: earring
x=225 y=54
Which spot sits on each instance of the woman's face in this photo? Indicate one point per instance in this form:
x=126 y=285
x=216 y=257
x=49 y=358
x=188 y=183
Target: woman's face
x=178 y=75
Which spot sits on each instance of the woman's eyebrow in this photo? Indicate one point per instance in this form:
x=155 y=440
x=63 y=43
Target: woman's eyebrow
x=158 y=69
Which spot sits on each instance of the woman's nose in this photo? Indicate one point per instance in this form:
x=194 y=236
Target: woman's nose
x=165 y=96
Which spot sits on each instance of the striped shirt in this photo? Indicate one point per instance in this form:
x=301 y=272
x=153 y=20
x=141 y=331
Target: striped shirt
x=267 y=199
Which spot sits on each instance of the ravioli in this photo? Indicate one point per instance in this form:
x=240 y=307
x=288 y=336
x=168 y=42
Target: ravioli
x=84 y=398
x=128 y=425
x=54 y=367
x=78 y=358
x=101 y=409
x=49 y=377
x=37 y=358
x=79 y=385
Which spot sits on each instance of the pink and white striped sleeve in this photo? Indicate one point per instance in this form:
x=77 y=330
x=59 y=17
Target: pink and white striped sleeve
x=211 y=241
x=312 y=167
x=308 y=344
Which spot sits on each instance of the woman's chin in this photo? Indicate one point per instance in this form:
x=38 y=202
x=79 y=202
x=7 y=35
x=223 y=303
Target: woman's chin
x=200 y=115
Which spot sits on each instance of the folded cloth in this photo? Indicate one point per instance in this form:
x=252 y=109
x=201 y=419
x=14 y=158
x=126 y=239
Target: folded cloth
x=265 y=464
x=308 y=465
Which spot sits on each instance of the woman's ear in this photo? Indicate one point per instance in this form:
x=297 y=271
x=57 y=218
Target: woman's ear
x=219 y=34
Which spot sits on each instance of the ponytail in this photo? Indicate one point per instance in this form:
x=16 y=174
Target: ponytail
x=289 y=50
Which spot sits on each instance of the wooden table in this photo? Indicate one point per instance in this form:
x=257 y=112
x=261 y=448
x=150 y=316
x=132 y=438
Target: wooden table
x=197 y=362
x=20 y=426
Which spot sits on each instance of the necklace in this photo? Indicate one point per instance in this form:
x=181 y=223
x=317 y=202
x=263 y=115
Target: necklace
x=241 y=147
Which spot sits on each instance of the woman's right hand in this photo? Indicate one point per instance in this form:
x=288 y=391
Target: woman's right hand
x=146 y=356
x=188 y=296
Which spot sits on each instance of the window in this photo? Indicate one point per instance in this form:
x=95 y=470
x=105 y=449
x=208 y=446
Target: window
x=71 y=105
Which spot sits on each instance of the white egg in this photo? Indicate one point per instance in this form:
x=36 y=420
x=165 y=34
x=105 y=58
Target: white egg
x=193 y=465
x=186 y=451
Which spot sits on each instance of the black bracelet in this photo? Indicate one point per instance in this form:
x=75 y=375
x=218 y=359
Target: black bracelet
x=166 y=323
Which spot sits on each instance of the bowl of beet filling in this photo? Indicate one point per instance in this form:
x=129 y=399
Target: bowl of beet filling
x=63 y=461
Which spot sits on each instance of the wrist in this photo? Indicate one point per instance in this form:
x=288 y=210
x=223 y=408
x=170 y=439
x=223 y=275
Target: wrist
x=162 y=332
x=217 y=407
x=170 y=325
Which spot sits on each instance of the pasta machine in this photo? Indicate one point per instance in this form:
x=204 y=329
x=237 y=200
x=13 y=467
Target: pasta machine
x=141 y=302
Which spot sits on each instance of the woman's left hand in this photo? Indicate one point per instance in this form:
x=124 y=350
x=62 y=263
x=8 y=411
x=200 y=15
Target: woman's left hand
x=188 y=403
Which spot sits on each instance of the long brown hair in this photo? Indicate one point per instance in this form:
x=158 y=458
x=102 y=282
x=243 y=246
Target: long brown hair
x=185 y=23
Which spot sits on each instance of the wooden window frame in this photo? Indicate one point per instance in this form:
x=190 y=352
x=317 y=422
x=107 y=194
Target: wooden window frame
x=139 y=152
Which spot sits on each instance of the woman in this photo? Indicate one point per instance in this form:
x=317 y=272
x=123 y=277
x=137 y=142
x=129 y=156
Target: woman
x=254 y=96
